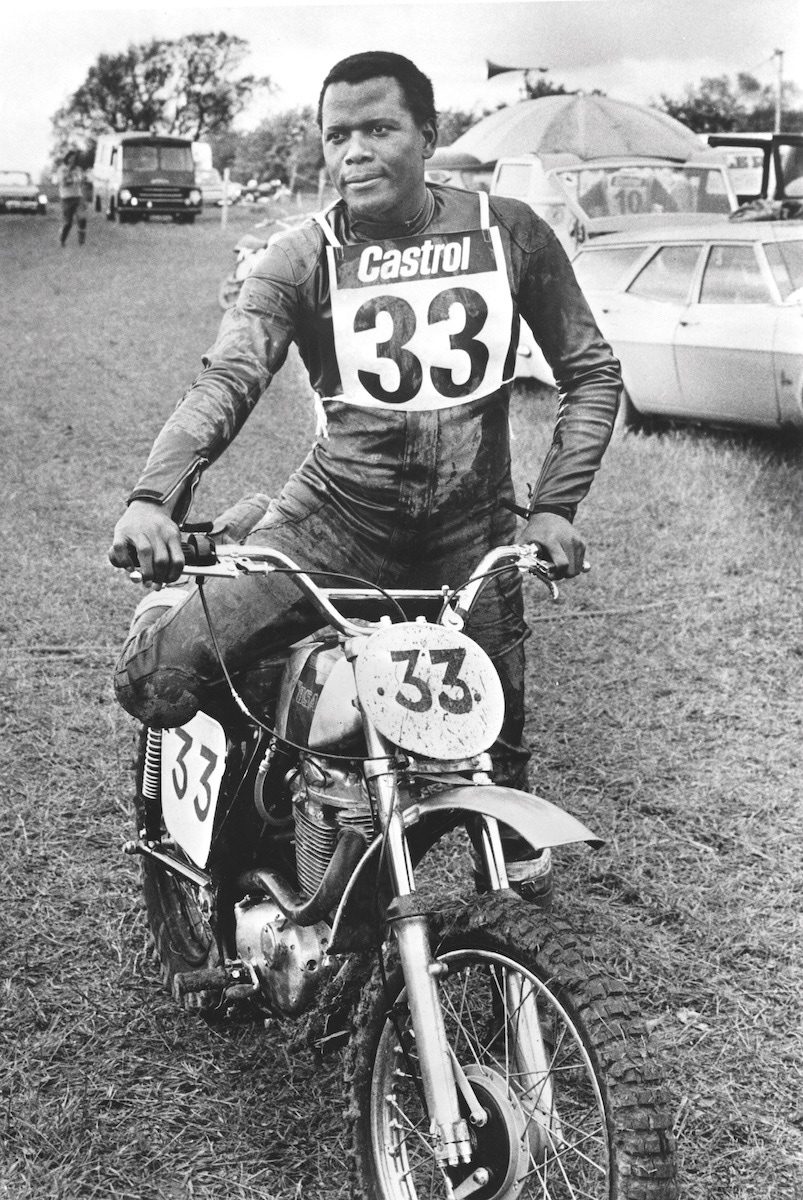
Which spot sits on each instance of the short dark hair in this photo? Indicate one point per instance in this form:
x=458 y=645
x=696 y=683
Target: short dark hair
x=372 y=64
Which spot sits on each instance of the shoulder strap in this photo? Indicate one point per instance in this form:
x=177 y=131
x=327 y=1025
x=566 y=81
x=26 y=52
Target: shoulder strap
x=485 y=210
x=328 y=232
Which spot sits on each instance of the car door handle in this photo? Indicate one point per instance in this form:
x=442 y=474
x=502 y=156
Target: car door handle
x=688 y=322
x=609 y=310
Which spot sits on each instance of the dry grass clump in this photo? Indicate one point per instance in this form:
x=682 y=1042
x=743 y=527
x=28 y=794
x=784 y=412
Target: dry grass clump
x=665 y=711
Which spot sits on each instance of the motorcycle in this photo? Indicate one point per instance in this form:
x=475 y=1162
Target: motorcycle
x=248 y=249
x=486 y=1055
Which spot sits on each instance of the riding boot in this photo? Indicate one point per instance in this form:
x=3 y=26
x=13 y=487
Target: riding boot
x=530 y=873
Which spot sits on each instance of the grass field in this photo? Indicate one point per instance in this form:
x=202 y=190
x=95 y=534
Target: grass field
x=666 y=699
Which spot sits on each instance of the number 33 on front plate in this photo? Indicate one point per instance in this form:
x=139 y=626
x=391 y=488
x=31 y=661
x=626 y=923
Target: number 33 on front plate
x=430 y=690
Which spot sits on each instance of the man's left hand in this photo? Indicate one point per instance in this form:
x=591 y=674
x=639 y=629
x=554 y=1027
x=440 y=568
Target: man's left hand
x=559 y=540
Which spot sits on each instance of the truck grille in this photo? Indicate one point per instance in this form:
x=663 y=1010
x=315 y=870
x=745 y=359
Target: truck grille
x=161 y=195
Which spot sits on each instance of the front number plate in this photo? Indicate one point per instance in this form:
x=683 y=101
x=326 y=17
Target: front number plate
x=430 y=690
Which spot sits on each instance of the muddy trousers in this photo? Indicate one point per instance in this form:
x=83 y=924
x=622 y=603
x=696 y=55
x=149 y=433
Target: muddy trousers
x=169 y=667
x=73 y=208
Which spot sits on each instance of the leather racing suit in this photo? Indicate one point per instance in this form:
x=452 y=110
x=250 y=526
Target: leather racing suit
x=409 y=350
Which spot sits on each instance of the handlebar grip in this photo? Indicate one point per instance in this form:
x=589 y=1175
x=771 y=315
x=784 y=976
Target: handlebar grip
x=197 y=526
x=198 y=550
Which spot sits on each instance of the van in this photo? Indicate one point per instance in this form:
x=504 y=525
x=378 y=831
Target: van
x=141 y=175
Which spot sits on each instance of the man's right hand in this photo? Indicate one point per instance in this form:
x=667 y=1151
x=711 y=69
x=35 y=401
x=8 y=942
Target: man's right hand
x=147 y=539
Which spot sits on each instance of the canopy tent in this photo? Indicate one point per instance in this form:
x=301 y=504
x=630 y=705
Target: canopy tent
x=588 y=126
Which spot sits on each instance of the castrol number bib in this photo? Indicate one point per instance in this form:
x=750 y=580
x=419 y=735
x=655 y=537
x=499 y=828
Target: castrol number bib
x=422 y=322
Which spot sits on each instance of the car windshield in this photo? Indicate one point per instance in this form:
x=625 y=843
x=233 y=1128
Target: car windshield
x=786 y=264
x=615 y=191
x=157 y=158
x=602 y=269
x=14 y=178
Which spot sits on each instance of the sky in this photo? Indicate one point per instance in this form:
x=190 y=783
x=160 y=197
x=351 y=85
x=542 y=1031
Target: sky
x=633 y=50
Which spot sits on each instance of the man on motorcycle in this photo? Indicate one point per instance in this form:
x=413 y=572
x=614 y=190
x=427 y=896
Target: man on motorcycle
x=404 y=301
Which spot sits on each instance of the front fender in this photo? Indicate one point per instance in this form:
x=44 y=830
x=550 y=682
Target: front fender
x=536 y=820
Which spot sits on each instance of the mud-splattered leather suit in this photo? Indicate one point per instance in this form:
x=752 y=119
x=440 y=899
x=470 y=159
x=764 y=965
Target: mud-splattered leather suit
x=404 y=482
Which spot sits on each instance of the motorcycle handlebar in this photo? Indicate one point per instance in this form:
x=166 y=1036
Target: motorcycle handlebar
x=203 y=557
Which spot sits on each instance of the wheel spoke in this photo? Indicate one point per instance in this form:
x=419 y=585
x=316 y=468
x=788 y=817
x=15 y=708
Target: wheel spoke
x=550 y=1051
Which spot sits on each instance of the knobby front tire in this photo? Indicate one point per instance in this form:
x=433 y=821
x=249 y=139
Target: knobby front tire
x=595 y=1125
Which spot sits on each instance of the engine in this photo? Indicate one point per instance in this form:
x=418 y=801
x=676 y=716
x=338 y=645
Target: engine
x=326 y=798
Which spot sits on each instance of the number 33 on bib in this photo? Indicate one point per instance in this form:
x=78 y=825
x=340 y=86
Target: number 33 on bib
x=422 y=322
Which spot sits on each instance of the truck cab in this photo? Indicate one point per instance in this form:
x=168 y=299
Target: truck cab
x=137 y=176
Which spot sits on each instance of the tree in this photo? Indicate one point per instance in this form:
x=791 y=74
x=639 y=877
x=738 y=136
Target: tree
x=452 y=123
x=285 y=146
x=535 y=85
x=719 y=104
x=190 y=86
x=205 y=93
x=120 y=92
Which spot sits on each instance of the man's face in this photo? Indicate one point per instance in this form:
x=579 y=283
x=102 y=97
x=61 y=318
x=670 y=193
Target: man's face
x=374 y=150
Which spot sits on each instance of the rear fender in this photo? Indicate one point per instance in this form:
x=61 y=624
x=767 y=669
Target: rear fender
x=536 y=820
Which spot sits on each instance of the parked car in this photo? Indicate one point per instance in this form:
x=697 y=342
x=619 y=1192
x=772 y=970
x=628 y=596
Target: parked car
x=706 y=321
x=590 y=198
x=210 y=181
x=19 y=193
x=255 y=192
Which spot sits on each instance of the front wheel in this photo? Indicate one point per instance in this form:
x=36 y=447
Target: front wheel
x=581 y=1114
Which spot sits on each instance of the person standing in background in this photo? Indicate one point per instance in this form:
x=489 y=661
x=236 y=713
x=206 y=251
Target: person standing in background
x=72 y=181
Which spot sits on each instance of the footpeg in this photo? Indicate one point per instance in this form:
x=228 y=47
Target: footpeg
x=215 y=987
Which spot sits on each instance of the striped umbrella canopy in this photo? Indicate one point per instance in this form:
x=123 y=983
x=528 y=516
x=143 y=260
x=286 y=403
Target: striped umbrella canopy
x=588 y=126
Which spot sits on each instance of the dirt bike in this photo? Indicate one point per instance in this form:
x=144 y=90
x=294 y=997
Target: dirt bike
x=248 y=249
x=486 y=1055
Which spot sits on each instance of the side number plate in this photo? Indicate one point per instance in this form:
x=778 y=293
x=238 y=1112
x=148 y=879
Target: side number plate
x=431 y=690
x=193 y=758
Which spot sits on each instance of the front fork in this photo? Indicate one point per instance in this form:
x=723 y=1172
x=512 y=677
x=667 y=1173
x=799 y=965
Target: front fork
x=448 y=1128
x=532 y=1060
x=442 y=1078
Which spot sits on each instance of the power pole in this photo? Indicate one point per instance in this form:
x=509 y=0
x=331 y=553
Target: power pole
x=778 y=55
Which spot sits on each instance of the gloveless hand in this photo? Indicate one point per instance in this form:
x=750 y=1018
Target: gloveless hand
x=148 y=539
x=559 y=540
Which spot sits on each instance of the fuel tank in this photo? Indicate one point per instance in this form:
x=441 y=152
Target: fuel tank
x=317 y=704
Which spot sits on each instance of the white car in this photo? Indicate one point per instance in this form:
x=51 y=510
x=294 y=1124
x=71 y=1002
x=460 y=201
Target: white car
x=706 y=320
x=585 y=200
x=211 y=183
